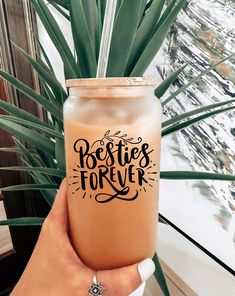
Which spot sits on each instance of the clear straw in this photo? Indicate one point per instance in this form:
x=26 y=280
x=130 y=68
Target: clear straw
x=106 y=36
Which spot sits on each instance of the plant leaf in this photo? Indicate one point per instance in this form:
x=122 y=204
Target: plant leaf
x=32 y=161
x=156 y=41
x=59 y=152
x=163 y=87
x=161 y=220
x=24 y=221
x=37 y=177
x=188 y=175
x=91 y=15
x=159 y=276
x=46 y=159
x=101 y=9
x=165 y=13
x=44 y=55
x=63 y=3
x=26 y=153
x=46 y=130
x=47 y=171
x=55 y=110
x=33 y=138
x=142 y=10
x=51 y=97
x=20 y=113
x=49 y=194
x=121 y=43
x=187 y=123
x=195 y=79
x=57 y=38
x=186 y=115
x=61 y=11
x=30 y=187
x=9 y=149
x=44 y=73
x=82 y=39
x=145 y=32
x=148 y=4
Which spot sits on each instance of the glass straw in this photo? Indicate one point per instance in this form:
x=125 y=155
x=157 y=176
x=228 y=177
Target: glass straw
x=107 y=30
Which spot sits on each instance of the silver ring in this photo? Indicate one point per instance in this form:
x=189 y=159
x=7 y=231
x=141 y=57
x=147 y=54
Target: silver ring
x=96 y=288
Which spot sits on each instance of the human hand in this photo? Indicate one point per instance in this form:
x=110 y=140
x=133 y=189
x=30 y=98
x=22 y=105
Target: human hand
x=54 y=268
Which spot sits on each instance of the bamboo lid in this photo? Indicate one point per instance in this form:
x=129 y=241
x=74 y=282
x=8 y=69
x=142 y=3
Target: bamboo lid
x=112 y=82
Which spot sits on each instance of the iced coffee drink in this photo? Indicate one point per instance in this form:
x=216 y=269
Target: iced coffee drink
x=112 y=142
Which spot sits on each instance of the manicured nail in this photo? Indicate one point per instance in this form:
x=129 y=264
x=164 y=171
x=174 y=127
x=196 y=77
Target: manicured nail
x=146 y=268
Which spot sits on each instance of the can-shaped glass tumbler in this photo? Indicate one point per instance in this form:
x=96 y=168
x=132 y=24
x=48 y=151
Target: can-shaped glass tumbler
x=112 y=132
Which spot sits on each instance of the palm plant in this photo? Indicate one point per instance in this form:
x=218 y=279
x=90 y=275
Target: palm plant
x=41 y=143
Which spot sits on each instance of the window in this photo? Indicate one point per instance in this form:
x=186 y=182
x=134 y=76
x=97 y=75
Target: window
x=203 y=210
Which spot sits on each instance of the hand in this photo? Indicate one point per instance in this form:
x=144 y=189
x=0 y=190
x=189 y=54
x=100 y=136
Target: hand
x=54 y=268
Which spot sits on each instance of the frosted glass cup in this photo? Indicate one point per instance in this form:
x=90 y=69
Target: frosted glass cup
x=112 y=143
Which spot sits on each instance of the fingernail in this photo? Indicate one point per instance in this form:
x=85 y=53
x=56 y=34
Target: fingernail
x=146 y=268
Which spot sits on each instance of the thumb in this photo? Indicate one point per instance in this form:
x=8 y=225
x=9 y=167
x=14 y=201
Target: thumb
x=123 y=281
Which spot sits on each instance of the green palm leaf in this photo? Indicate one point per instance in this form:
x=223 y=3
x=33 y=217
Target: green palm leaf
x=165 y=13
x=189 y=122
x=188 y=175
x=47 y=171
x=33 y=138
x=91 y=13
x=159 y=276
x=82 y=39
x=156 y=41
x=195 y=79
x=164 y=86
x=121 y=43
x=59 y=152
x=9 y=149
x=45 y=74
x=62 y=3
x=47 y=131
x=142 y=11
x=53 y=109
x=29 y=156
x=21 y=114
x=145 y=32
x=61 y=11
x=57 y=38
x=101 y=8
x=24 y=221
x=30 y=187
x=186 y=115
x=38 y=178
x=41 y=52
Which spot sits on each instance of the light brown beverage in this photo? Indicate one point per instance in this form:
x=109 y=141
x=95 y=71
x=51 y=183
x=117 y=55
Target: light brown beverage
x=112 y=141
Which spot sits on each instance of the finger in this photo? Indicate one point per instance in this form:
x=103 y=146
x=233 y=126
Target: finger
x=123 y=281
x=59 y=210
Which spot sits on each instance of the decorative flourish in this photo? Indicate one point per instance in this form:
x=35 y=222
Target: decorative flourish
x=117 y=135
